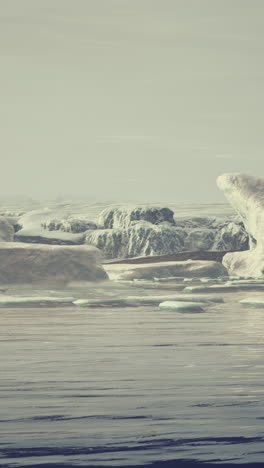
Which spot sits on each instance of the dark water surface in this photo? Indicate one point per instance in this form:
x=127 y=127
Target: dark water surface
x=128 y=386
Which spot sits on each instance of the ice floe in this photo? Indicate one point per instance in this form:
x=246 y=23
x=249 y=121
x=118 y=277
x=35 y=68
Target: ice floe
x=35 y=263
x=17 y=301
x=253 y=302
x=136 y=301
x=192 y=268
x=224 y=287
x=182 y=306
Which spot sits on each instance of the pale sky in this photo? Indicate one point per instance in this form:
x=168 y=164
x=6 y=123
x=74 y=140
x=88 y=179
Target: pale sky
x=130 y=99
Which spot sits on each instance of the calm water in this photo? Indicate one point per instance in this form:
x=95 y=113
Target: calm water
x=124 y=386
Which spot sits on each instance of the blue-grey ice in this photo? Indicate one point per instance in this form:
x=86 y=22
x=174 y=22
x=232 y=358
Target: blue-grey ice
x=253 y=302
x=182 y=306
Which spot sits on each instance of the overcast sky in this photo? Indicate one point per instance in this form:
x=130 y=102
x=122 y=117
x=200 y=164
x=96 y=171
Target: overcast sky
x=130 y=99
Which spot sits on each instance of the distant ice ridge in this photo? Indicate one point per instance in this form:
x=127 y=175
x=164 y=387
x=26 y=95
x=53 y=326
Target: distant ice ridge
x=47 y=226
x=132 y=231
x=246 y=195
x=149 y=231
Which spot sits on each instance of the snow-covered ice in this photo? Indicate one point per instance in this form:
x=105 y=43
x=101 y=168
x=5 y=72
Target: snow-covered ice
x=246 y=195
x=229 y=286
x=182 y=306
x=253 y=302
x=192 y=268
x=37 y=263
x=44 y=301
x=148 y=231
x=141 y=239
x=33 y=229
x=122 y=217
x=136 y=301
x=42 y=236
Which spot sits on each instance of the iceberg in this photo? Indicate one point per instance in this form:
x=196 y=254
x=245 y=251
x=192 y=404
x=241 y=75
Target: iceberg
x=128 y=232
x=149 y=271
x=182 y=306
x=36 y=227
x=141 y=239
x=122 y=217
x=39 y=263
x=246 y=195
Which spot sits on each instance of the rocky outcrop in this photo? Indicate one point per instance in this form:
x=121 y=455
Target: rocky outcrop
x=246 y=195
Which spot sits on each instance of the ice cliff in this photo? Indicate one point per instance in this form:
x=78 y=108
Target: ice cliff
x=246 y=195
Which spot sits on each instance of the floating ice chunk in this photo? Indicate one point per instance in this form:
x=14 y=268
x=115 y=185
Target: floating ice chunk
x=247 y=281
x=253 y=302
x=112 y=302
x=172 y=297
x=13 y=301
x=192 y=268
x=223 y=288
x=169 y=279
x=6 y=230
x=144 y=284
x=42 y=236
x=136 y=301
x=38 y=263
x=182 y=306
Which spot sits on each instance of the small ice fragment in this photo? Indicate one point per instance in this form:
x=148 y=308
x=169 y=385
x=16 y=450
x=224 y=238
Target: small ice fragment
x=178 y=306
x=253 y=302
x=33 y=300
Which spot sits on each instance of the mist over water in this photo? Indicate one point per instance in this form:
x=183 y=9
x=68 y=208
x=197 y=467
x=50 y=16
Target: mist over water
x=130 y=100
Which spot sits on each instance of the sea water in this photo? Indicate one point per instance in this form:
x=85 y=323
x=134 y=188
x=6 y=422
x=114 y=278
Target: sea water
x=122 y=385
x=131 y=385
